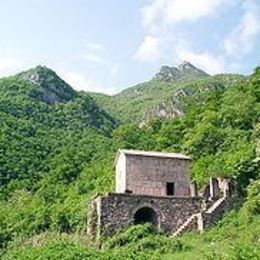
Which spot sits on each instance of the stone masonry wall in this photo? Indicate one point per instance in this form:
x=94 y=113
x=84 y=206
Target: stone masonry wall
x=209 y=219
x=148 y=175
x=116 y=211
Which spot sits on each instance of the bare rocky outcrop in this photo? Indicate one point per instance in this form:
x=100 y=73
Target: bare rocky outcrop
x=185 y=69
x=51 y=88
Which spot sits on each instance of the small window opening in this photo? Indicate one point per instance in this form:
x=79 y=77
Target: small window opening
x=170 y=188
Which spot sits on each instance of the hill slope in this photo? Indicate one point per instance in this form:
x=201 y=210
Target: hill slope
x=55 y=155
x=51 y=88
x=164 y=95
x=41 y=91
x=41 y=116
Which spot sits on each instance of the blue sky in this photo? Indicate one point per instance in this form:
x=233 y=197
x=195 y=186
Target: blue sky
x=106 y=46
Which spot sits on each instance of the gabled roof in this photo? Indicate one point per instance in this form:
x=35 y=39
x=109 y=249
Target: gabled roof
x=154 y=154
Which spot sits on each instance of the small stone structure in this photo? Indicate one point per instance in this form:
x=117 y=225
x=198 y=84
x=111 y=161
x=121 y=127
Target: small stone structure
x=152 y=173
x=155 y=187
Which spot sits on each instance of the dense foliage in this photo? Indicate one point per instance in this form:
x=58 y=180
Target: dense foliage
x=160 y=98
x=55 y=155
x=236 y=237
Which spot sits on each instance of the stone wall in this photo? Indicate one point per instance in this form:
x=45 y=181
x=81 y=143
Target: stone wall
x=115 y=212
x=149 y=175
x=209 y=219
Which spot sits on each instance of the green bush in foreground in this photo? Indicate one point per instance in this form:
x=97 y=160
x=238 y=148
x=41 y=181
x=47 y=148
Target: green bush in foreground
x=137 y=242
x=144 y=238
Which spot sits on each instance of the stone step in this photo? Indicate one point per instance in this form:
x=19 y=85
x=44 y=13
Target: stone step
x=215 y=205
x=199 y=218
x=185 y=225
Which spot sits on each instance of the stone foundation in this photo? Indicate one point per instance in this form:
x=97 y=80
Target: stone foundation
x=114 y=212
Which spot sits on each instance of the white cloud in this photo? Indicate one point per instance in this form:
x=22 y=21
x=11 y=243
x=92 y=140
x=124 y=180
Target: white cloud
x=242 y=38
x=113 y=70
x=94 y=46
x=80 y=81
x=160 y=18
x=149 y=49
x=93 y=57
x=93 y=53
x=160 y=12
x=9 y=65
x=210 y=63
x=180 y=10
x=77 y=80
x=152 y=14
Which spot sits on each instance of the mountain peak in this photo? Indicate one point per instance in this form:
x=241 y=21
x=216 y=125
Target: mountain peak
x=52 y=89
x=37 y=74
x=183 y=70
x=186 y=65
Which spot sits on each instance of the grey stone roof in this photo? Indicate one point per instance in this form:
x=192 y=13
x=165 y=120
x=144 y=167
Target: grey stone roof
x=155 y=154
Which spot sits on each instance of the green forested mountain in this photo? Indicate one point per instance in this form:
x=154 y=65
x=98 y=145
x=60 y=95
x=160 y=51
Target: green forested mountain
x=40 y=115
x=164 y=95
x=57 y=148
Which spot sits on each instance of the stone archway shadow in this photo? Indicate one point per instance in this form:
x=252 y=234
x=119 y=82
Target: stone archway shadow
x=146 y=215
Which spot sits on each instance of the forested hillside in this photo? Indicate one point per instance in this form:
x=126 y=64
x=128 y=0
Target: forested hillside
x=57 y=148
x=164 y=96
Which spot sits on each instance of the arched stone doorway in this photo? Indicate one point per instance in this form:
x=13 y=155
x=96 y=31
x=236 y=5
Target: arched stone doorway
x=145 y=215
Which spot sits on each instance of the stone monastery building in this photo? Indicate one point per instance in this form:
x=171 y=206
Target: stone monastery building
x=155 y=187
x=152 y=173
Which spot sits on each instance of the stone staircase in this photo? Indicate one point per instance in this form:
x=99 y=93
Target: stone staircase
x=216 y=205
x=193 y=222
x=205 y=218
